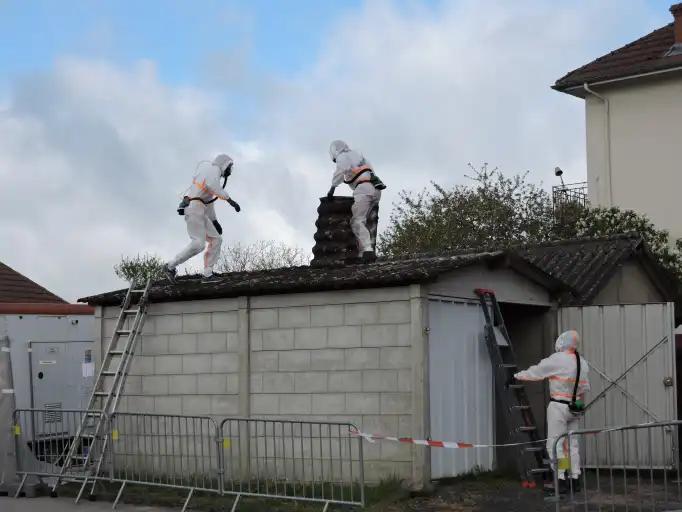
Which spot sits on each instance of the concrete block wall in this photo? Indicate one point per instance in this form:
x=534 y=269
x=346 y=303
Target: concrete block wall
x=187 y=361
x=346 y=356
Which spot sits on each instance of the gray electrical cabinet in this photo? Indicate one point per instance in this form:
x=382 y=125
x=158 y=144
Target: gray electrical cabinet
x=51 y=368
x=62 y=376
x=52 y=362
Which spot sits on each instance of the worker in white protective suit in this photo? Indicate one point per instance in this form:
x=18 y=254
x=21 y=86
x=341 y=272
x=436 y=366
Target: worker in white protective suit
x=355 y=171
x=566 y=399
x=203 y=227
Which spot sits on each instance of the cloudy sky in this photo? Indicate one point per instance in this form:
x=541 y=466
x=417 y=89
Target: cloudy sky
x=106 y=107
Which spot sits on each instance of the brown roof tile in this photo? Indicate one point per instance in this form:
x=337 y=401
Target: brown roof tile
x=644 y=55
x=17 y=288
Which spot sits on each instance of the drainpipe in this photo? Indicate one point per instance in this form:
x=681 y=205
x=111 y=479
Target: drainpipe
x=607 y=136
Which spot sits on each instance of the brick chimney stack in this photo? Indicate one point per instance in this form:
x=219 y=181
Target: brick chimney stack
x=676 y=11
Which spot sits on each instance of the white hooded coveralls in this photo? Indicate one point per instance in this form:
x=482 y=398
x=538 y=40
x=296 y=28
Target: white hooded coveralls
x=199 y=217
x=348 y=164
x=560 y=370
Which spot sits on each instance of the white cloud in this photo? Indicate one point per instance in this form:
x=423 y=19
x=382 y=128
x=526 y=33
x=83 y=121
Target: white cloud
x=95 y=156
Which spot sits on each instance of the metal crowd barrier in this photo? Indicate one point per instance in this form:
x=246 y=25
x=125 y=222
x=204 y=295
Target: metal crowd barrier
x=164 y=450
x=42 y=440
x=632 y=467
x=288 y=459
x=283 y=459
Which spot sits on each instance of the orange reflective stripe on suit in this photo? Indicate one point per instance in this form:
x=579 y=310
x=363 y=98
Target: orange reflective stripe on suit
x=362 y=168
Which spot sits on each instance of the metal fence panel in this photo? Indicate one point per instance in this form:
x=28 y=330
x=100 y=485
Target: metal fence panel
x=650 y=482
x=303 y=460
x=298 y=460
x=166 y=450
x=635 y=342
x=43 y=438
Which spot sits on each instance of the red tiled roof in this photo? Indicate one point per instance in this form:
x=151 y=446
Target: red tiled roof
x=15 y=287
x=645 y=55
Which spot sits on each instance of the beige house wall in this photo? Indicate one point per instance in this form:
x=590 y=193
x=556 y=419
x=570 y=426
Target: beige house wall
x=643 y=146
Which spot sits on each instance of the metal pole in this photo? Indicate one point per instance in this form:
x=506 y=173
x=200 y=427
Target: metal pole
x=8 y=453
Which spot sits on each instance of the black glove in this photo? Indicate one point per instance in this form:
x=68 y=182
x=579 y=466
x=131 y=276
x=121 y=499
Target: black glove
x=234 y=205
x=330 y=194
x=218 y=227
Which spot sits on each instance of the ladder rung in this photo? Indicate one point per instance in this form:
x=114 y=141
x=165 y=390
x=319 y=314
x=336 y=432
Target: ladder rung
x=515 y=386
x=528 y=428
x=130 y=311
x=537 y=471
x=521 y=407
x=508 y=365
x=93 y=414
x=101 y=393
x=71 y=480
x=534 y=448
x=124 y=332
x=139 y=290
x=92 y=436
x=116 y=352
x=108 y=373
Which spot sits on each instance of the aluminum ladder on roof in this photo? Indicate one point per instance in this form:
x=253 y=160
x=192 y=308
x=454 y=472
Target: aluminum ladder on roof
x=519 y=420
x=87 y=449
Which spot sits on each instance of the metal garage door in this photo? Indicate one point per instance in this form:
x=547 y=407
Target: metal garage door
x=461 y=387
x=631 y=352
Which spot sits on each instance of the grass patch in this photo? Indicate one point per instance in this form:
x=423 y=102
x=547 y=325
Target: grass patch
x=387 y=495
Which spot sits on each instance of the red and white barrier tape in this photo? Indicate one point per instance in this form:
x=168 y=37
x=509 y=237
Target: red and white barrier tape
x=372 y=438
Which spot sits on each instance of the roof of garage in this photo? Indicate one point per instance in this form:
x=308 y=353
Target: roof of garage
x=310 y=279
x=586 y=265
x=579 y=267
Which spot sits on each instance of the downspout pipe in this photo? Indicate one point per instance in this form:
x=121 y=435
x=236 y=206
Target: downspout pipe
x=607 y=136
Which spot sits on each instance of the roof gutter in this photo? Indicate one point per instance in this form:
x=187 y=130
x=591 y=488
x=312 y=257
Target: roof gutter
x=623 y=78
x=607 y=137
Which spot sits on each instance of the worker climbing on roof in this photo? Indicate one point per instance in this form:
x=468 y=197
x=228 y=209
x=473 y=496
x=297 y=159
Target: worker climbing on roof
x=355 y=171
x=568 y=375
x=202 y=224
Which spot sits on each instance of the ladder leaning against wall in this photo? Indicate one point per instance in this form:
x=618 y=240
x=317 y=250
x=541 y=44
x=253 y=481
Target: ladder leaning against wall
x=87 y=449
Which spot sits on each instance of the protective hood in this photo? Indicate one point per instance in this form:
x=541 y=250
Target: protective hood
x=336 y=148
x=567 y=341
x=222 y=162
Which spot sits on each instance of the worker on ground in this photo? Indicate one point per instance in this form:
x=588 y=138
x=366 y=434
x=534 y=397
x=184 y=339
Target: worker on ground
x=568 y=375
x=355 y=171
x=203 y=227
